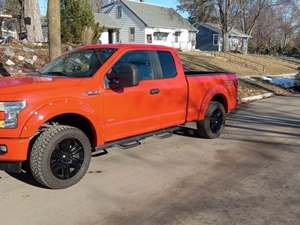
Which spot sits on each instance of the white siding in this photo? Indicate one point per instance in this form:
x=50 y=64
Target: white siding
x=186 y=41
x=127 y=21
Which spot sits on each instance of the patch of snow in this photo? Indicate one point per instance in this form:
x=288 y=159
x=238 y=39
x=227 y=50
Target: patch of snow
x=20 y=58
x=10 y=63
x=283 y=82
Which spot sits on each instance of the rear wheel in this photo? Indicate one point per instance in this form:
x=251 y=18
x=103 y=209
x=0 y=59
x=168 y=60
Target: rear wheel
x=213 y=124
x=60 y=156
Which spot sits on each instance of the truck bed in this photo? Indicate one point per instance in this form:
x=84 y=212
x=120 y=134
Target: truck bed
x=202 y=84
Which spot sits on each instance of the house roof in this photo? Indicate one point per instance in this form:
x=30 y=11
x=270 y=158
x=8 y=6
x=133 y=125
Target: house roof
x=217 y=28
x=106 y=21
x=157 y=16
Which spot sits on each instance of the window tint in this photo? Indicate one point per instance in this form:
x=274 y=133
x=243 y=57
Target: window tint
x=141 y=60
x=167 y=64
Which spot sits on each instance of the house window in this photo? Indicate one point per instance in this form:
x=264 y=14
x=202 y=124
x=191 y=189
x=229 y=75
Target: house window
x=119 y=12
x=216 y=40
x=118 y=36
x=177 y=35
x=160 y=36
x=149 y=38
x=132 y=34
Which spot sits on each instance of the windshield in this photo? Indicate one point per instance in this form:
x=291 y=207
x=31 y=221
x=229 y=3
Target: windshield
x=81 y=63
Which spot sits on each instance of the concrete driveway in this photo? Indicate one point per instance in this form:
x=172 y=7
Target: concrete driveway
x=249 y=176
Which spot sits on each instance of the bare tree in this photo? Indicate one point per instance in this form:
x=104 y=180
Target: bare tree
x=289 y=22
x=252 y=9
x=229 y=11
x=34 y=30
x=97 y=5
x=200 y=11
x=54 y=33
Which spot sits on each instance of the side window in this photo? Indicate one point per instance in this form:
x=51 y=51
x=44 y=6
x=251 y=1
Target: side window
x=141 y=60
x=215 y=39
x=132 y=34
x=167 y=63
x=119 y=12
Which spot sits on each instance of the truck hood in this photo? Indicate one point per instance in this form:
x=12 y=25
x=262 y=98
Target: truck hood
x=13 y=87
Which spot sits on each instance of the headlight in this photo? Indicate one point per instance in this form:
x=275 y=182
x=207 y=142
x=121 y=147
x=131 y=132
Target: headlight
x=9 y=112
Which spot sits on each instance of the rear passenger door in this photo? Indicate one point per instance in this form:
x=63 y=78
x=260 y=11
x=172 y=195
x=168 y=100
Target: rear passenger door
x=173 y=89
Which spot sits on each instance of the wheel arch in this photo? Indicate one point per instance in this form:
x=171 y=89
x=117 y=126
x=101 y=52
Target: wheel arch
x=76 y=120
x=218 y=95
x=221 y=98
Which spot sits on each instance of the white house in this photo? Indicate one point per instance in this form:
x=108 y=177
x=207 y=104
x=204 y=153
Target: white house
x=138 y=22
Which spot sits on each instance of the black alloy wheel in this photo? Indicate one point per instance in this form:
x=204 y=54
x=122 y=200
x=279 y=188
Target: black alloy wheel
x=67 y=158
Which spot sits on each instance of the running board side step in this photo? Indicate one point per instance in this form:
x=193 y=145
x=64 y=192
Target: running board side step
x=164 y=135
x=135 y=141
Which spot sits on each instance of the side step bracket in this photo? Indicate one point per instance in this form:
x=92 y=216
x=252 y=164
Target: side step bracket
x=130 y=145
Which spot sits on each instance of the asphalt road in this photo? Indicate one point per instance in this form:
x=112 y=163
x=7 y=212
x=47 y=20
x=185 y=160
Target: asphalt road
x=249 y=176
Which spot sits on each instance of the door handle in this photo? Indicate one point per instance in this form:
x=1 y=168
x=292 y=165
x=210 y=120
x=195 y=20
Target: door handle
x=154 y=91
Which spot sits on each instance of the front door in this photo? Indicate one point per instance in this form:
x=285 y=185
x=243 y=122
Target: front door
x=110 y=36
x=134 y=110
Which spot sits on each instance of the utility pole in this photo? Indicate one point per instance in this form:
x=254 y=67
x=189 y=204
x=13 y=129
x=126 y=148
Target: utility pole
x=54 y=32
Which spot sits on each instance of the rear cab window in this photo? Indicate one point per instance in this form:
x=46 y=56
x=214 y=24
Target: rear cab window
x=167 y=64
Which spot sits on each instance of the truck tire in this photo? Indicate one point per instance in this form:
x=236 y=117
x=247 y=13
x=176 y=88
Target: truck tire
x=214 y=123
x=60 y=157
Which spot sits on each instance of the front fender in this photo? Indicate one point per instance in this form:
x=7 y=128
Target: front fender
x=55 y=108
x=218 y=90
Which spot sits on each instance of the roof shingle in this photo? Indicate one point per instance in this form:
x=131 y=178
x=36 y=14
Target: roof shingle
x=157 y=16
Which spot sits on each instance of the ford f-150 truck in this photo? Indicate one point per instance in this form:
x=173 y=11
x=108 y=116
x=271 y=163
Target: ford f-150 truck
x=99 y=96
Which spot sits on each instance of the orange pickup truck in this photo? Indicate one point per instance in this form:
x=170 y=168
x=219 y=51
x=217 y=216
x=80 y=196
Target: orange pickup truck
x=99 y=96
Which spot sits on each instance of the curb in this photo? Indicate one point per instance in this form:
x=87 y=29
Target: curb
x=268 y=75
x=257 y=97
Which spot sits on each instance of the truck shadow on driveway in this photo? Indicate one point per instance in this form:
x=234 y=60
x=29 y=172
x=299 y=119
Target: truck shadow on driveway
x=26 y=177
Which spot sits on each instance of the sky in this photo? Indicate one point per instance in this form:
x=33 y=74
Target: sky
x=166 y=3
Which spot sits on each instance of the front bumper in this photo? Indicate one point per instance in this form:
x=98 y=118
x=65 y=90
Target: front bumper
x=17 y=149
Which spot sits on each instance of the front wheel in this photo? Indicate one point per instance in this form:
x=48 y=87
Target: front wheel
x=214 y=123
x=60 y=157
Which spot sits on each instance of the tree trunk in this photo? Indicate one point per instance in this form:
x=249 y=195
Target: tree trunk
x=34 y=30
x=1 y=22
x=54 y=33
x=226 y=47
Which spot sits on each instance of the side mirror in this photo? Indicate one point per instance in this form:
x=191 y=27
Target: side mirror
x=125 y=76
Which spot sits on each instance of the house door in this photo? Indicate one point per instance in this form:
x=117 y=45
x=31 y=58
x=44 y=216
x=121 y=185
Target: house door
x=110 y=36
